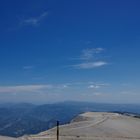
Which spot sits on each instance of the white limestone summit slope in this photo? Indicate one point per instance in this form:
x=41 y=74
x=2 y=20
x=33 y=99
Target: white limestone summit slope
x=95 y=126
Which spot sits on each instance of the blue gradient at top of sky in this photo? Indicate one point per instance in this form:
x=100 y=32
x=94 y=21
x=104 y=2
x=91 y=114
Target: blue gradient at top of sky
x=41 y=43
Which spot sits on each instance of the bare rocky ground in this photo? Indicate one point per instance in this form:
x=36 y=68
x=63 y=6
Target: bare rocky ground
x=7 y=138
x=93 y=126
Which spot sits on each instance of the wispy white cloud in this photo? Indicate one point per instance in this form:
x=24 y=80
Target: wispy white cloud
x=23 y=88
x=34 y=20
x=32 y=88
x=85 y=85
x=89 y=59
x=62 y=86
x=94 y=86
x=50 y=88
x=90 y=65
x=90 y=53
x=97 y=86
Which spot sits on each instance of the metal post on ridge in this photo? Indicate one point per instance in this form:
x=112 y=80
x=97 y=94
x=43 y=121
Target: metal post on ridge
x=57 y=130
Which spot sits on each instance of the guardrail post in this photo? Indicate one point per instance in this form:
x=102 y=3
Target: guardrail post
x=57 y=130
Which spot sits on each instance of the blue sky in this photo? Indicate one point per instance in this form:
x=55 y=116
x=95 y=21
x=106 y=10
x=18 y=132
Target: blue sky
x=59 y=50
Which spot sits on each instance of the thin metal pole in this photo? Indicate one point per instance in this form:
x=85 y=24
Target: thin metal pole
x=57 y=130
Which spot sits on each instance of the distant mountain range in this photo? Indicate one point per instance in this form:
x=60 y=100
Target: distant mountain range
x=21 y=119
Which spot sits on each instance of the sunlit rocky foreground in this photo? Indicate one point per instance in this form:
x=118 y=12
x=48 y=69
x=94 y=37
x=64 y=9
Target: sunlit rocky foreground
x=93 y=126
